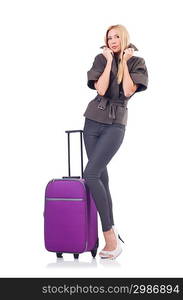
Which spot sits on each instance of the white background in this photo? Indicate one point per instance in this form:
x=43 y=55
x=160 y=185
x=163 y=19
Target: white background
x=46 y=49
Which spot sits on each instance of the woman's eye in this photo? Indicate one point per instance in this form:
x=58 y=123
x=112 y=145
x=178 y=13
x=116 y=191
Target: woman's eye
x=116 y=36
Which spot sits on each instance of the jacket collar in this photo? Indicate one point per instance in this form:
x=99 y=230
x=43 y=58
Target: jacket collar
x=116 y=59
x=114 y=67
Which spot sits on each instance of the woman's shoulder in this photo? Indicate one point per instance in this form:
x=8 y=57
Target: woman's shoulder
x=136 y=62
x=136 y=59
x=99 y=60
x=100 y=57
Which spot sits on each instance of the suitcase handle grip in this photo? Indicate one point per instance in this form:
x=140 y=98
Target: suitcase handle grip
x=68 y=131
x=81 y=148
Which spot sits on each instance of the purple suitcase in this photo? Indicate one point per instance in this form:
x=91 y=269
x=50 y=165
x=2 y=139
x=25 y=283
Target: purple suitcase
x=70 y=214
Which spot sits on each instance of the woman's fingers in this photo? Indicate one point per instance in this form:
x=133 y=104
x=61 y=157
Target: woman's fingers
x=128 y=53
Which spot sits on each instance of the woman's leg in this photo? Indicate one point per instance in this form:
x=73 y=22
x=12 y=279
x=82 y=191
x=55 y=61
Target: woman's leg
x=105 y=179
x=107 y=144
x=90 y=143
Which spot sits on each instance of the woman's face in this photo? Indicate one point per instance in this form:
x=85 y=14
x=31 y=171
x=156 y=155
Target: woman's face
x=113 y=40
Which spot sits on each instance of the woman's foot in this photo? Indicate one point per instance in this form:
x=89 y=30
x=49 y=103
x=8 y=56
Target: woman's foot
x=112 y=248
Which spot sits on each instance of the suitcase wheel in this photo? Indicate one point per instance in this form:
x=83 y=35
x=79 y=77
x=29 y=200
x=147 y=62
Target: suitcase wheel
x=59 y=254
x=94 y=251
x=76 y=255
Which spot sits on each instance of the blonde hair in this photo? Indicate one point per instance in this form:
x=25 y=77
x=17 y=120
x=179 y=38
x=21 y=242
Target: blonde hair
x=125 y=40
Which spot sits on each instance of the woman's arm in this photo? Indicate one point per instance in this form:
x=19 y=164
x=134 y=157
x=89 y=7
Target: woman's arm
x=128 y=86
x=102 y=83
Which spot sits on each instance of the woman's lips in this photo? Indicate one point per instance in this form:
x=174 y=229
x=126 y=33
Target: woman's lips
x=114 y=47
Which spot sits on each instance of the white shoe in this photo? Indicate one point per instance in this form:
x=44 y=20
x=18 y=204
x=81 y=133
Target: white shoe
x=116 y=252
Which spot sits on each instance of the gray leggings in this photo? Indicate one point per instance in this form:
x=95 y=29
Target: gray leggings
x=101 y=143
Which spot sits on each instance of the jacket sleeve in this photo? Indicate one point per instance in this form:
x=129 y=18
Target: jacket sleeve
x=96 y=70
x=139 y=74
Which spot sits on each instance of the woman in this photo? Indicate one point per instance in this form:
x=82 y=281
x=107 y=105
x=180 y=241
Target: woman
x=116 y=74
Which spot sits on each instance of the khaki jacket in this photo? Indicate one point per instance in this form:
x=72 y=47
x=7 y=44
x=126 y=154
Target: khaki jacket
x=112 y=107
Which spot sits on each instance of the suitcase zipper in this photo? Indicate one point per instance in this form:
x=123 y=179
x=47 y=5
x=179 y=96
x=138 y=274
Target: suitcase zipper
x=65 y=199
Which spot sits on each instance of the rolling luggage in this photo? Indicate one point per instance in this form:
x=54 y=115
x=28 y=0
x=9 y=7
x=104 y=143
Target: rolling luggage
x=70 y=214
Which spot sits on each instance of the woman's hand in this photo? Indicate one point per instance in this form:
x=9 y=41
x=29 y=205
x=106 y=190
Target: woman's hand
x=108 y=53
x=128 y=53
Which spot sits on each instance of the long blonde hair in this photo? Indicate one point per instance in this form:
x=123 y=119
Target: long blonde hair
x=125 y=40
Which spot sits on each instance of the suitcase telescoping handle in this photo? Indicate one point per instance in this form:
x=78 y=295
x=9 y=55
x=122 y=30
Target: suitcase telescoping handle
x=81 y=148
